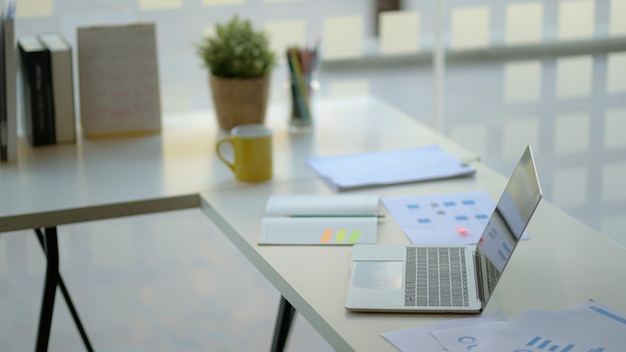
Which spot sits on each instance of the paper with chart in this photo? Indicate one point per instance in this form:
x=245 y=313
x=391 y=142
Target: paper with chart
x=466 y=338
x=320 y=220
x=587 y=327
x=419 y=338
x=346 y=172
x=449 y=218
x=537 y=330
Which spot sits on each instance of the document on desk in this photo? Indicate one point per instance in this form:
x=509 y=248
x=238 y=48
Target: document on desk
x=420 y=338
x=443 y=218
x=345 y=172
x=587 y=327
x=538 y=330
x=320 y=220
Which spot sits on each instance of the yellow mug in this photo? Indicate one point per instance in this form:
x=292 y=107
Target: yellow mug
x=252 y=146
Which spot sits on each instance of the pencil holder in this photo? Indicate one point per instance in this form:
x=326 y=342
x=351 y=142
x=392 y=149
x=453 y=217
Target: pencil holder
x=301 y=92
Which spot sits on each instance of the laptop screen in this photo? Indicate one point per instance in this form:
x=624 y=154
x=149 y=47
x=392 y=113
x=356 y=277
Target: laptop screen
x=513 y=211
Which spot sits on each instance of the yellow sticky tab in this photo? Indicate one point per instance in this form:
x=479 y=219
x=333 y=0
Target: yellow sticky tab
x=341 y=235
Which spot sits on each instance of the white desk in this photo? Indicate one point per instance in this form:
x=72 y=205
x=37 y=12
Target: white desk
x=178 y=169
x=92 y=179
x=564 y=264
x=107 y=178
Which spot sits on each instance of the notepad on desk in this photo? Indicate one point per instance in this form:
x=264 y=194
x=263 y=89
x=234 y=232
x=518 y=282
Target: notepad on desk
x=345 y=172
x=320 y=220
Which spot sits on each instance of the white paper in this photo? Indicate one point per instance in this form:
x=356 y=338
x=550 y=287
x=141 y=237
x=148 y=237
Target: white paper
x=284 y=205
x=449 y=218
x=466 y=338
x=587 y=327
x=391 y=167
x=537 y=330
x=598 y=313
x=420 y=339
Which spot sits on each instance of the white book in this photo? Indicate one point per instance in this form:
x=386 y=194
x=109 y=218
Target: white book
x=320 y=220
x=62 y=86
x=118 y=80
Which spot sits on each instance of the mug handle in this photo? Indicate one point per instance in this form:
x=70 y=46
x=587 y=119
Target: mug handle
x=219 y=153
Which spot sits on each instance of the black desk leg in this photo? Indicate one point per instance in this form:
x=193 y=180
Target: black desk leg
x=49 y=289
x=283 y=324
x=49 y=244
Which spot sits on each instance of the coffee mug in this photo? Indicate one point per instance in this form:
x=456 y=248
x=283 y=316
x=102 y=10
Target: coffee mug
x=252 y=146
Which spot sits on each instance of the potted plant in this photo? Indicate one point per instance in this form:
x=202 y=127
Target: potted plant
x=240 y=61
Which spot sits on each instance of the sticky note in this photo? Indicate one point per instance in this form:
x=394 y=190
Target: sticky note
x=341 y=235
x=327 y=236
x=354 y=236
x=462 y=231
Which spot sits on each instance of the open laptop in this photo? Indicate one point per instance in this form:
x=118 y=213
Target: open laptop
x=405 y=278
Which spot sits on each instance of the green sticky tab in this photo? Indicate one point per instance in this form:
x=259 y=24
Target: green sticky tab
x=354 y=236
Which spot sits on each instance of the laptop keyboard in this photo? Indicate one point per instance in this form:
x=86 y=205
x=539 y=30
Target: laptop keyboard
x=436 y=277
x=492 y=275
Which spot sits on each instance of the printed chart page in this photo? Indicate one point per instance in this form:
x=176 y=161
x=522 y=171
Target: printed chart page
x=448 y=218
x=587 y=327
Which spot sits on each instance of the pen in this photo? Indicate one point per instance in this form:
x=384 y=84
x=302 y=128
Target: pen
x=467 y=161
x=380 y=216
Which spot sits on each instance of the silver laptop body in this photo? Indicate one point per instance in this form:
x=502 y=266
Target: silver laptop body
x=403 y=278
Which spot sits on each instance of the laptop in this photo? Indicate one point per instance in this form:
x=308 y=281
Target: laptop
x=450 y=278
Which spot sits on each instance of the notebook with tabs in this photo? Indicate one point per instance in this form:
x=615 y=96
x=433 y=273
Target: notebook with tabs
x=454 y=279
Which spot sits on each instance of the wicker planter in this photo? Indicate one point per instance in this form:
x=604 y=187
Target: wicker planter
x=239 y=101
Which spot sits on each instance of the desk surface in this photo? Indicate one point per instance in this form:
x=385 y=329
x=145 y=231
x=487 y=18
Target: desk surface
x=94 y=178
x=564 y=264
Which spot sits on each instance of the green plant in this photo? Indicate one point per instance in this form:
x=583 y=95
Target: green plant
x=237 y=51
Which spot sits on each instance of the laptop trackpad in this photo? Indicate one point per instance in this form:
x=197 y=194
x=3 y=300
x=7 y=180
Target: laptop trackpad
x=377 y=274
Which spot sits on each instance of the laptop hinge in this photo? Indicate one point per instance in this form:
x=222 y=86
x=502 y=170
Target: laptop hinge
x=479 y=278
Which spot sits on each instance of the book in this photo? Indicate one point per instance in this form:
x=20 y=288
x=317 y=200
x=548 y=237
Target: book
x=118 y=80
x=3 y=109
x=37 y=91
x=352 y=171
x=62 y=86
x=320 y=220
x=8 y=90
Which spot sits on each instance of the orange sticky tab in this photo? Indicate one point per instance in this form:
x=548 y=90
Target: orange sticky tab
x=327 y=236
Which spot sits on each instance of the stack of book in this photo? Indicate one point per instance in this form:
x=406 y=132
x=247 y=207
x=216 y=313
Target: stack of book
x=47 y=89
x=8 y=86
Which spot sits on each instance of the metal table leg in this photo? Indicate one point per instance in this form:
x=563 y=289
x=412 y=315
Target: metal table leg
x=49 y=244
x=49 y=289
x=283 y=324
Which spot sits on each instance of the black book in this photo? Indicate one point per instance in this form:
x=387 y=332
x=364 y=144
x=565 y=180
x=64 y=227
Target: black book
x=37 y=92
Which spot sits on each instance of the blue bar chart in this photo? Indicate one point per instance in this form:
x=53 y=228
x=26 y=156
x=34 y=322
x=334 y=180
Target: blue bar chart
x=539 y=343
